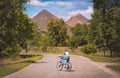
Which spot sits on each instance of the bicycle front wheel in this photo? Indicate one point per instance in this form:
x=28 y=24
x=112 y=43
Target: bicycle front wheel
x=59 y=66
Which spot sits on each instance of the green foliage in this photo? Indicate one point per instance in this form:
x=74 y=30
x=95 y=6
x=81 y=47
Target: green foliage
x=36 y=39
x=57 y=31
x=105 y=25
x=45 y=41
x=79 y=36
x=72 y=42
x=15 y=26
x=10 y=50
x=88 y=49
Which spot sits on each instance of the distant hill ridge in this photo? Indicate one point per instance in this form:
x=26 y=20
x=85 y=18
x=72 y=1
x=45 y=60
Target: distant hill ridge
x=43 y=17
x=77 y=19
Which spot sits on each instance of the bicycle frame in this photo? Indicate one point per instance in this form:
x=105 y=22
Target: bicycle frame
x=63 y=63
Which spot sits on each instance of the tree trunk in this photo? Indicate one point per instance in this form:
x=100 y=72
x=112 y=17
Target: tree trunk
x=104 y=52
x=111 y=54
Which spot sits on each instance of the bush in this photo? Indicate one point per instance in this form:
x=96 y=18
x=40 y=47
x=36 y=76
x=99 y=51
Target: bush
x=88 y=49
x=10 y=51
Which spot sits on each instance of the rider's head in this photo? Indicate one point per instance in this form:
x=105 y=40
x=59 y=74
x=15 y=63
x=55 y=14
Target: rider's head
x=65 y=53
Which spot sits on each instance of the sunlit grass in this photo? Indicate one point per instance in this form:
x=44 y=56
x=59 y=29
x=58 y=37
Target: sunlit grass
x=115 y=67
x=100 y=58
x=8 y=69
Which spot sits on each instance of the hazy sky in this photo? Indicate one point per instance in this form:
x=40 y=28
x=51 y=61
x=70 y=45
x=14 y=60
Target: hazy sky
x=60 y=8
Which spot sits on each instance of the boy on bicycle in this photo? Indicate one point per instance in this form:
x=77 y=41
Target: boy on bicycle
x=66 y=56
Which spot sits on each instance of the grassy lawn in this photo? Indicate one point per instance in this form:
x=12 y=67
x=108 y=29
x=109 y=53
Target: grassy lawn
x=100 y=58
x=115 y=67
x=8 y=69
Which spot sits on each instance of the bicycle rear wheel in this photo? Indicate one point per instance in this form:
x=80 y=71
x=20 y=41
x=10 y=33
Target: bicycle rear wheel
x=69 y=66
x=59 y=66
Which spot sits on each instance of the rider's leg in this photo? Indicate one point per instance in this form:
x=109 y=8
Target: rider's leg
x=68 y=59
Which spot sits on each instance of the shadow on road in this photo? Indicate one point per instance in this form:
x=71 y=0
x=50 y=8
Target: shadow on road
x=69 y=71
x=72 y=71
x=41 y=62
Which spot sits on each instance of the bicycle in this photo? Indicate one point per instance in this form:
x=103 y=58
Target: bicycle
x=63 y=64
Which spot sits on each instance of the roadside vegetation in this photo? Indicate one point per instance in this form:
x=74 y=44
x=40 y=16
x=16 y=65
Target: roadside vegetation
x=115 y=67
x=11 y=65
x=98 y=57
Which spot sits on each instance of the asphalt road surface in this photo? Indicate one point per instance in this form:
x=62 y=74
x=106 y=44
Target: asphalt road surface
x=81 y=68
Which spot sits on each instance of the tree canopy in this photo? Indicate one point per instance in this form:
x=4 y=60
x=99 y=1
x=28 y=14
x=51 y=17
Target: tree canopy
x=57 y=31
x=105 y=25
x=78 y=37
x=15 y=26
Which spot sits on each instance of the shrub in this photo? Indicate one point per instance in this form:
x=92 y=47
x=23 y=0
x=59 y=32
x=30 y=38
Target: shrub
x=88 y=49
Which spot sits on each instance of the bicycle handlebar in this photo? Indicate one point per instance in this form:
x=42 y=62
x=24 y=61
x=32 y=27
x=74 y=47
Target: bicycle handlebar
x=60 y=56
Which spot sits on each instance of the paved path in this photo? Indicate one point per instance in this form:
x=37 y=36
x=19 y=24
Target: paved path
x=46 y=68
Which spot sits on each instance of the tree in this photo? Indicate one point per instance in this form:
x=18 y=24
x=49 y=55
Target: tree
x=78 y=37
x=72 y=42
x=57 y=31
x=15 y=26
x=107 y=26
x=45 y=41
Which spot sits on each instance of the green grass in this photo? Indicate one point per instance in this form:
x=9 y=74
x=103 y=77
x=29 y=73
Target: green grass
x=115 y=67
x=8 y=69
x=100 y=58
x=92 y=57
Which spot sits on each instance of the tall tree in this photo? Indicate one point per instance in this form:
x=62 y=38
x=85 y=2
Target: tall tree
x=45 y=41
x=79 y=36
x=108 y=24
x=57 y=30
x=80 y=33
x=15 y=26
